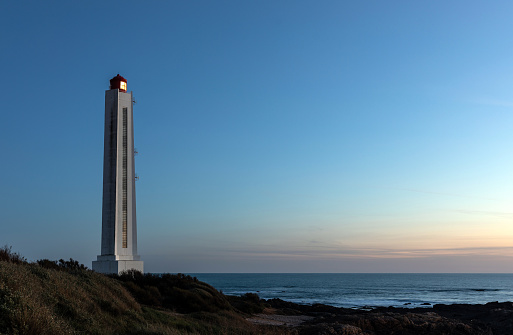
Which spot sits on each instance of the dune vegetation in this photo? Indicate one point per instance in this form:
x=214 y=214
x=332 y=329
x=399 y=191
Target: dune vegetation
x=63 y=297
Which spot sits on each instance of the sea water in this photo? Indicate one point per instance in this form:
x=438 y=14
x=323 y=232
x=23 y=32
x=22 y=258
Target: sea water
x=368 y=290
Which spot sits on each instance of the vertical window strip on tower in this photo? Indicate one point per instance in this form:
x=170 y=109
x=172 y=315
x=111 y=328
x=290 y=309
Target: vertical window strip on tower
x=125 y=176
x=113 y=158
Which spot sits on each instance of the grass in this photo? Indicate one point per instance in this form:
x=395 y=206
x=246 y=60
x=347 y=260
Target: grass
x=49 y=297
x=34 y=300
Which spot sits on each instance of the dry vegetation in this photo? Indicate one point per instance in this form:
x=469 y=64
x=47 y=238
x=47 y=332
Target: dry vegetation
x=63 y=297
x=49 y=297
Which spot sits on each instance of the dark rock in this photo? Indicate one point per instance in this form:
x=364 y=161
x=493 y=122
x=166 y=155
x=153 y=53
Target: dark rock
x=492 y=318
x=331 y=329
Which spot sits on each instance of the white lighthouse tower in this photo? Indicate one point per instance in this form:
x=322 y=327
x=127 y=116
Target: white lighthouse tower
x=119 y=224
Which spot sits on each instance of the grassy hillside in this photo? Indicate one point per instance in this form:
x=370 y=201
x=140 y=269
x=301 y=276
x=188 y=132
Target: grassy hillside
x=50 y=297
x=62 y=297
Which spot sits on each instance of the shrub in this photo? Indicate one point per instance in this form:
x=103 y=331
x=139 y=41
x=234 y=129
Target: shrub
x=251 y=297
x=48 y=264
x=249 y=303
x=179 y=292
x=147 y=295
x=131 y=275
x=62 y=265
x=71 y=265
x=7 y=255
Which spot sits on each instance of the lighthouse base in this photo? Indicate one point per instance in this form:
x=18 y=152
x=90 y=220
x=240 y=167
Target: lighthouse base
x=116 y=266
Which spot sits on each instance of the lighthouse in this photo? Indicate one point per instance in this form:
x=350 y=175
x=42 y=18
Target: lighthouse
x=119 y=224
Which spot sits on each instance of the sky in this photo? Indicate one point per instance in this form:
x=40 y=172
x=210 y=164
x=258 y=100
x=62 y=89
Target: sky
x=273 y=136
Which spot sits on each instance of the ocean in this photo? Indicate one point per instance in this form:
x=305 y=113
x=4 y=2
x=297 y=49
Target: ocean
x=368 y=290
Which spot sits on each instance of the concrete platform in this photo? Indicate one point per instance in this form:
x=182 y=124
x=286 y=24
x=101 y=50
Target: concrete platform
x=117 y=266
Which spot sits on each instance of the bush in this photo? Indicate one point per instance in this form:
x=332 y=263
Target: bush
x=61 y=265
x=251 y=298
x=48 y=264
x=179 y=292
x=147 y=295
x=248 y=303
x=71 y=265
x=7 y=255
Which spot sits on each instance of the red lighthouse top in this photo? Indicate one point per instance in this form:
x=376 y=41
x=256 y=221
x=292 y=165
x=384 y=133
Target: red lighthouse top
x=118 y=82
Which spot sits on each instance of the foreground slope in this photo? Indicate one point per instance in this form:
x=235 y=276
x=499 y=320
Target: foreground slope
x=38 y=300
x=48 y=297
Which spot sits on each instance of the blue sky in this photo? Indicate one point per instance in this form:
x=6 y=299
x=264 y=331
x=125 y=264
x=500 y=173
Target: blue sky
x=273 y=136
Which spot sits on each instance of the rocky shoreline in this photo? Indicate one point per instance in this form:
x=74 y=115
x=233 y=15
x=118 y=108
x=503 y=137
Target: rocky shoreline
x=492 y=318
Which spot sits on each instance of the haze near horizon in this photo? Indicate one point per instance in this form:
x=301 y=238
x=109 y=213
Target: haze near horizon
x=273 y=136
